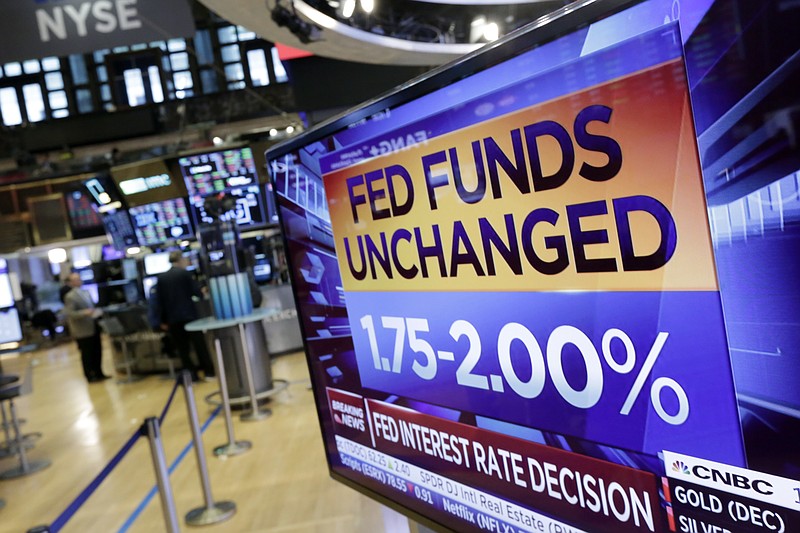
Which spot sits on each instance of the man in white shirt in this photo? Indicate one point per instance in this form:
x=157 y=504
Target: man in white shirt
x=82 y=320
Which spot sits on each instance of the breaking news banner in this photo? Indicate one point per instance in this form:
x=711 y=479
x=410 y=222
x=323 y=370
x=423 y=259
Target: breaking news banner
x=596 y=495
x=706 y=496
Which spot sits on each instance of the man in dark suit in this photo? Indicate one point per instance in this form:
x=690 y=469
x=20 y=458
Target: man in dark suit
x=82 y=319
x=176 y=290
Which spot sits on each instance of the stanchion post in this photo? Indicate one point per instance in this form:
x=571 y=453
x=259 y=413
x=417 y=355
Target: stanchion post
x=255 y=412
x=213 y=512
x=233 y=447
x=153 y=433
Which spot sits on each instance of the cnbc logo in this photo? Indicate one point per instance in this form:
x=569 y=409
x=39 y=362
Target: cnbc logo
x=680 y=467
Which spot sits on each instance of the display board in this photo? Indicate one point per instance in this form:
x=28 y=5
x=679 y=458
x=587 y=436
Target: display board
x=219 y=171
x=146 y=182
x=159 y=222
x=512 y=295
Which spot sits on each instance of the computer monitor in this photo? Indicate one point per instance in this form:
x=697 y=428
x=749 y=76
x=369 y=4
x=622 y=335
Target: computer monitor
x=84 y=219
x=156 y=263
x=159 y=222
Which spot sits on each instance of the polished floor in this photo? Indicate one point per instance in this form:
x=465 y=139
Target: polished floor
x=281 y=485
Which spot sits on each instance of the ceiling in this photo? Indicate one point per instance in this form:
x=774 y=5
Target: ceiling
x=410 y=33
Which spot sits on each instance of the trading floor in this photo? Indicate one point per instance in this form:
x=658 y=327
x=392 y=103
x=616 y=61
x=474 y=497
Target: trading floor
x=282 y=484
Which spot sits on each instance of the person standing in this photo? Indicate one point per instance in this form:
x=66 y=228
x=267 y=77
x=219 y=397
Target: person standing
x=82 y=320
x=176 y=289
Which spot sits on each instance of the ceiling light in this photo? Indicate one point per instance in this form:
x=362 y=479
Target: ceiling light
x=367 y=5
x=217 y=141
x=491 y=32
x=133 y=250
x=348 y=8
x=273 y=132
x=289 y=129
x=57 y=255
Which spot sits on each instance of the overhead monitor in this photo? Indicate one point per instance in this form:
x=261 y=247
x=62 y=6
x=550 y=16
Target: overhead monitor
x=159 y=222
x=247 y=207
x=84 y=218
x=103 y=192
x=508 y=285
x=120 y=228
x=218 y=171
x=146 y=182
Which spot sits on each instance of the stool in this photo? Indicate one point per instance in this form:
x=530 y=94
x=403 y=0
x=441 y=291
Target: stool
x=8 y=394
x=114 y=329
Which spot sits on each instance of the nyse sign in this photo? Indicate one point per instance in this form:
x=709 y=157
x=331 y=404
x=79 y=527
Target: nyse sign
x=41 y=28
x=102 y=16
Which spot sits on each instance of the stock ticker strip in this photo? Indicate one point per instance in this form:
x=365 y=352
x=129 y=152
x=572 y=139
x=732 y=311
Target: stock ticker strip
x=154 y=489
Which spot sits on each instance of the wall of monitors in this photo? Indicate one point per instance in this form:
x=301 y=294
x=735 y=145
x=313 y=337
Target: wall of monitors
x=156 y=223
x=511 y=276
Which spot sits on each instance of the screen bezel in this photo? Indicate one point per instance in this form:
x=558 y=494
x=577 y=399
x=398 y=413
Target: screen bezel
x=561 y=22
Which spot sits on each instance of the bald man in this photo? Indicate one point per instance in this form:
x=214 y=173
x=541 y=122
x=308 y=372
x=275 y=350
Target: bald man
x=81 y=318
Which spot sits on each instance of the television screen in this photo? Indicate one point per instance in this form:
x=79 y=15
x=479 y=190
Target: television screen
x=129 y=269
x=156 y=263
x=247 y=208
x=214 y=172
x=160 y=222
x=146 y=182
x=505 y=275
x=103 y=192
x=83 y=217
x=119 y=227
x=10 y=326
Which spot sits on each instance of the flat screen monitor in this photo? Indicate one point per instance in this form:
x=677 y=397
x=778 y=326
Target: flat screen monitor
x=159 y=222
x=247 y=208
x=103 y=192
x=6 y=290
x=214 y=172
x=157 y=263
x=120 y=228
x=10 y=326
x=146 y=182
x=506 y=281
x=84 y=218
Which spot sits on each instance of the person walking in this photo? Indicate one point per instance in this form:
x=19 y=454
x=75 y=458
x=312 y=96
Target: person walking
x=176 y=289
x=82 y=320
